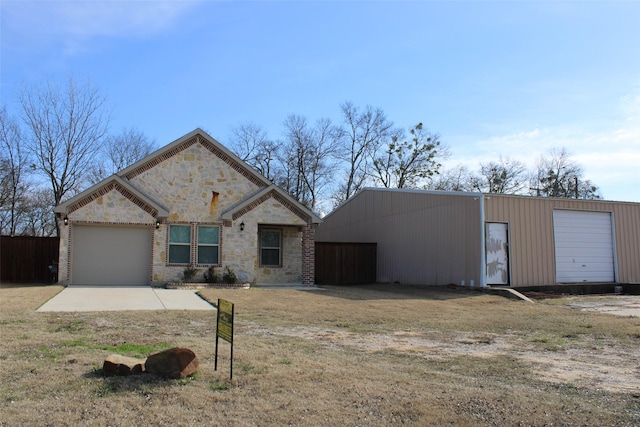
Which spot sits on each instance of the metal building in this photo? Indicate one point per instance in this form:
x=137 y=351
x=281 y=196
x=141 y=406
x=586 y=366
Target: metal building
x=554 y=241
x=423 y=237
x=474 y=239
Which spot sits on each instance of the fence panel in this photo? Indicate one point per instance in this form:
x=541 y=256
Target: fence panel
x=26 y=259
x=345 y=263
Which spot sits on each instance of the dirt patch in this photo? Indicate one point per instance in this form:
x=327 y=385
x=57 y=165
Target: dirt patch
x=620 y=305
x=366 y=356
x=589 y=366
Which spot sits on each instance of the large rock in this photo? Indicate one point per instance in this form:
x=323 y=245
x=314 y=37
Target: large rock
x=116 y=364
x=172 y=363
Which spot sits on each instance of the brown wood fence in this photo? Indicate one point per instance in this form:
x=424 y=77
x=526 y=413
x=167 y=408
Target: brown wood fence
x=345 y=263
x=26 y=259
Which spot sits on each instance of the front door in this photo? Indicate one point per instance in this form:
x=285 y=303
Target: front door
x=497 y=253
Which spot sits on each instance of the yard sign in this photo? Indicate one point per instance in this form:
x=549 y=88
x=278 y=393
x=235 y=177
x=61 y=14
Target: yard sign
x=224 y=330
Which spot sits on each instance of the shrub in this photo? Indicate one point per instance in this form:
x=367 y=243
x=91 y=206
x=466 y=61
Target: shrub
x=189 y=273
x=229 y=276
x=210 y=276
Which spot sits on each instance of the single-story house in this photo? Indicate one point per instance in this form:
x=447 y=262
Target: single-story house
x=475 y=239
x=192 y=203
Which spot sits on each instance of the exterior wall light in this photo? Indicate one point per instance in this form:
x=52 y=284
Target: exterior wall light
x=242 y=226
x=157 y=224
x=66 y=220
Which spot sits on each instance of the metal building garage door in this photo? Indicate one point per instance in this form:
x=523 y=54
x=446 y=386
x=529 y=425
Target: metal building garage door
x=110 y=255
x=584 y=246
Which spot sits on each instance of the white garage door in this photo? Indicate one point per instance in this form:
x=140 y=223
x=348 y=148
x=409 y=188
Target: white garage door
x=110 y=255
x=584 y=246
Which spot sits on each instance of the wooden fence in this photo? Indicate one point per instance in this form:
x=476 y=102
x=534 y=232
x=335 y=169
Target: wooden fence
x=26 y=259
x=345 y=263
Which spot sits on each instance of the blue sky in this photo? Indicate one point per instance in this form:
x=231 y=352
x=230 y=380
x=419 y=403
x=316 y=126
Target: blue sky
x=510 y=78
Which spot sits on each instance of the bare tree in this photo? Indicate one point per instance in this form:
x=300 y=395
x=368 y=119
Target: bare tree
x=250 y=142
x=454 y=179
x=37 y=219
x=305 y=158
x=120 y=151
x=361 y=134
x=14 y=185
x=557 y=175
x=321 y=165
x=291 y=157
x=66 y=127
x=406 y=162
x=506 y=176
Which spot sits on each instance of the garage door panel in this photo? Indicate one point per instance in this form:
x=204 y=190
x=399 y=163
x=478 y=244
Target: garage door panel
x=111 y=255
x=583 y=246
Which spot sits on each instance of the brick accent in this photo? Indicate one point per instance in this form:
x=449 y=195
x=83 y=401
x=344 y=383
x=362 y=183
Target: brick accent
x=251 y=176
x=308 y=254
x=166 y=155
x=271 y=194
x=106 y=189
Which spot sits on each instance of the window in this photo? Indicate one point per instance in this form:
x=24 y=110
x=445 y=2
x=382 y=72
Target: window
x=208 y=244
x=204 y=243
x=270 y=247
x=180 y=244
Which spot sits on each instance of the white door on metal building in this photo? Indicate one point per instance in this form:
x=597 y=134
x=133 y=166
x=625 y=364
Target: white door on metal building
x=584 y=246
x=497 y=253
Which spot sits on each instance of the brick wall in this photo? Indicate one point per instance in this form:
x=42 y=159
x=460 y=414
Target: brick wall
x=308 y=254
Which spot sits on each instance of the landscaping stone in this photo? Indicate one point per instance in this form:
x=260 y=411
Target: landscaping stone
x=197 y=286
x=172 y=363
x=116 y=364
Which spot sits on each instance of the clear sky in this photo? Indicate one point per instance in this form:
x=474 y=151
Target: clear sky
x=510 y=78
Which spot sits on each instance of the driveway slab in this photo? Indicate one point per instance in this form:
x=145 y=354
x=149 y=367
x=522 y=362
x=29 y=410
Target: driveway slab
x=119 y=298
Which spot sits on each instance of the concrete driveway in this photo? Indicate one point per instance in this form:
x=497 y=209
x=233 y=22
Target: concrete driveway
x=119 y=298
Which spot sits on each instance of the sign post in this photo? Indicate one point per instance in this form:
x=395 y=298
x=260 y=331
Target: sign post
x=224 y=330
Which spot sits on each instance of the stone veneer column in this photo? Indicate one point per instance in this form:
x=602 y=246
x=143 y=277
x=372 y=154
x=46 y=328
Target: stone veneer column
x=308 y=254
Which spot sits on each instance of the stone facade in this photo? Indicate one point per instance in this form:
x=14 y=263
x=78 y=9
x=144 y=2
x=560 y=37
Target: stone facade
x=195 y=181
x=109 y=207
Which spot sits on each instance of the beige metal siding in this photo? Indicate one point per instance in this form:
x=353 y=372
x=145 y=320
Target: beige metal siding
x=626 y=221
x=532 y=253
x=431 y=238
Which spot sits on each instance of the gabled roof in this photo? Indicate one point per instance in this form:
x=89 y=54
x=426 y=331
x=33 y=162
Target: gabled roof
x=264 y=194
x=114 y=182
x=196 y=136
x=120 y=181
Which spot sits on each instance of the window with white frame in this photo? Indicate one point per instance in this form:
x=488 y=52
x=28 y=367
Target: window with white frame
x=179 y=244
x=270 y=247
x=208 y=244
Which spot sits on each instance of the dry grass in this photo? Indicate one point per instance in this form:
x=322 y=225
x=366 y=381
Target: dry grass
x=340 y=356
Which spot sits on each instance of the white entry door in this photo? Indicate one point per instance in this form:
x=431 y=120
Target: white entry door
x=497 y=253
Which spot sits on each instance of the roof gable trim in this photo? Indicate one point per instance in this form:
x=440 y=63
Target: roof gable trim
x=271 y=194
x=122 y=190
x=161 y=158
x=118 y=184
x=277 y=194
x=227 y=157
